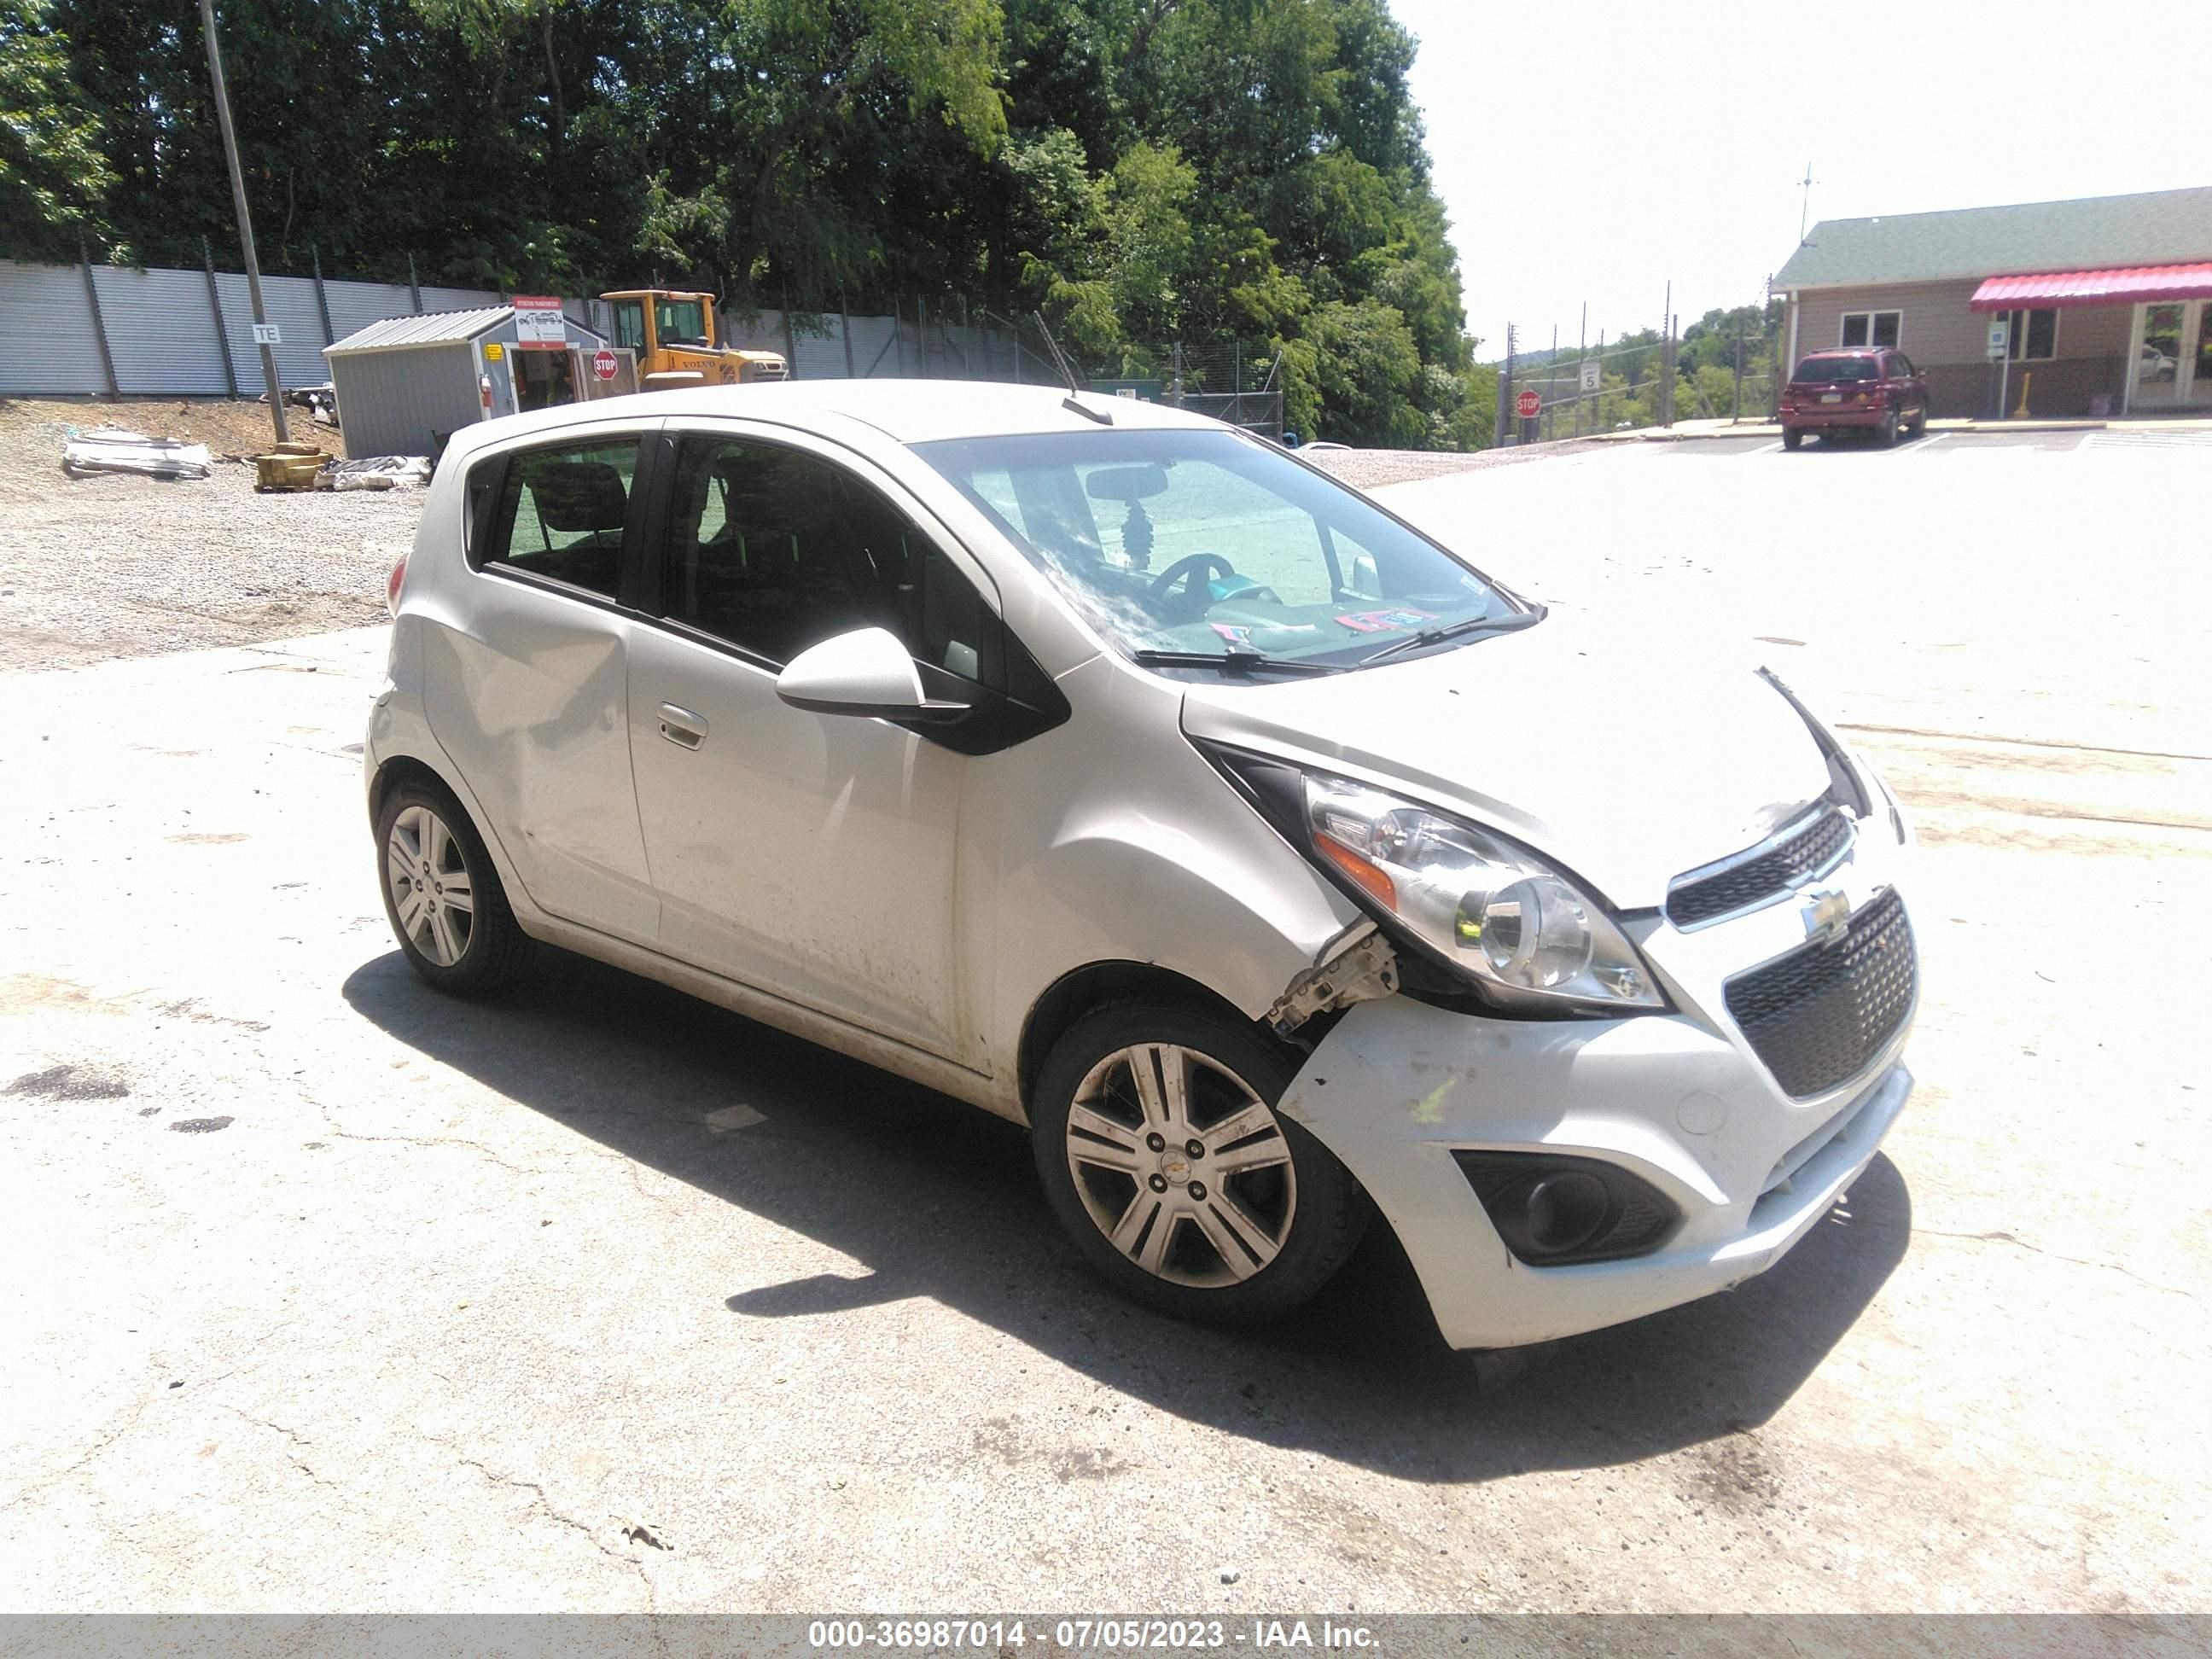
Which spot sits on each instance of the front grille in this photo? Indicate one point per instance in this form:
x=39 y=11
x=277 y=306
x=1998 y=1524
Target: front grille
x=1818 y=1015
x=1801 y=853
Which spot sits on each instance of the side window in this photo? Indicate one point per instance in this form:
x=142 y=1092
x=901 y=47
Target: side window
x=560 y=512
x=774 y=550
x=629 y=323
x=1900 y=366
x=1854 y=329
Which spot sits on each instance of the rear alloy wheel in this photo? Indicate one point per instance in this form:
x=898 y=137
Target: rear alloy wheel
x=443 y=898
x=1159 y=1146
x=1889 y=431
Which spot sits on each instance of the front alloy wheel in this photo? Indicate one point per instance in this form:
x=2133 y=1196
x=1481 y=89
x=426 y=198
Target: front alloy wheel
x=1181 y=1165
x=1159 y=1146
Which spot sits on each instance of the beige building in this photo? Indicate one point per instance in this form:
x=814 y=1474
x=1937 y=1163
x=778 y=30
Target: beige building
x=2105 y=303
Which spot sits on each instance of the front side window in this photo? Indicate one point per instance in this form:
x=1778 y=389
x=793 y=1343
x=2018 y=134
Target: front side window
x=682 y=322
x=774 y=549
x=629 y=323
x=2031 y=336
x=1210 y=542
x=1871 y=328
x=560 y=512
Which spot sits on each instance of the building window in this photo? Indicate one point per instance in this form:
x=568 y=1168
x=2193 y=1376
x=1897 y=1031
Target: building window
x=2031 y=336
x=1870 y=328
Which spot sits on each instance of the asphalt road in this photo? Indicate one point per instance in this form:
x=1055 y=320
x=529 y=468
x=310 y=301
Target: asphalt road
x=324 y=1294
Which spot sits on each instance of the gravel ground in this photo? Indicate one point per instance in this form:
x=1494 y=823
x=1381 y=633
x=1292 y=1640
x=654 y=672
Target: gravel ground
x=120 y=566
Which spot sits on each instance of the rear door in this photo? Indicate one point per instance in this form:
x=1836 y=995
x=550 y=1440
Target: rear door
x=814 y=856
x=529 y=671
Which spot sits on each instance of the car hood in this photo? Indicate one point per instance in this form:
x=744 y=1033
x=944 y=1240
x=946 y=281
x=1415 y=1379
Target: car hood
x=1624 y=768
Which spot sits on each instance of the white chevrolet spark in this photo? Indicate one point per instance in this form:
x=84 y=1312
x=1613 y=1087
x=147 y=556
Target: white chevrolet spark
x=1116 y=771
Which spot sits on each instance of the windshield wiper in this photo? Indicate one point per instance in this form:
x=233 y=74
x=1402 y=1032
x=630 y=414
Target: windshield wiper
x=1232 y=662
x=1460 y=630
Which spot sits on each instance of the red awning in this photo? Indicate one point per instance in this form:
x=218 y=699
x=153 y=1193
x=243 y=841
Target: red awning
x=2095 y=287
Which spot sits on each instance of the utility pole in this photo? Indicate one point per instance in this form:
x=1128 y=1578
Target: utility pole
x=1735 y=411
x=1582 y=356
x=1667 y=358
x=1498 y=430
x=245 y=221
x=1551 y=427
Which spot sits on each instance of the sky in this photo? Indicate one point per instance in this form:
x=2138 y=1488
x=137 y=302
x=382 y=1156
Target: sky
x=1589 y=150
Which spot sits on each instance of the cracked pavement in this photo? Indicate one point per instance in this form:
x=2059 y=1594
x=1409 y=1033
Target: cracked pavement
x=501 y=1307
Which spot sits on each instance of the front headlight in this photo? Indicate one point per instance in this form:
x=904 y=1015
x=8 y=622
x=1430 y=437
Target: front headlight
x=1496 y=913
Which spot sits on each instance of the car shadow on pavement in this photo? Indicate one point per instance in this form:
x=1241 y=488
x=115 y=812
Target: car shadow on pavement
x=941 y=1201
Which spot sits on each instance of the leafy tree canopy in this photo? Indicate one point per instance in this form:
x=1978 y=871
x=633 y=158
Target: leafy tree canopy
x=1218 y=172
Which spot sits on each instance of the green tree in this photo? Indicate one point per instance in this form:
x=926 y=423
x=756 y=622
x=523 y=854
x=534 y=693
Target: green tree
x=53 y=176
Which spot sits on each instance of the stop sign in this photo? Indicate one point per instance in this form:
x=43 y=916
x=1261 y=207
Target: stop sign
x=1528 y=404
x=606 y=365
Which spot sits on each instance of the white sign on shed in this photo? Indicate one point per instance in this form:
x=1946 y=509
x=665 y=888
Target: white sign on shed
x=538 y=324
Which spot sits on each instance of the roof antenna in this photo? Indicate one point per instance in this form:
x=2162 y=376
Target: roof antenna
x=1805 y=208
x=1068 y=374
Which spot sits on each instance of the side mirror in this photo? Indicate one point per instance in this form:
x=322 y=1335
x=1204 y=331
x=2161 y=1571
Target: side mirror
x=866 y=672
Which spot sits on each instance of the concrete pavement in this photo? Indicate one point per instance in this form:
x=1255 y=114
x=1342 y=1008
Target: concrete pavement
x=327 y=1293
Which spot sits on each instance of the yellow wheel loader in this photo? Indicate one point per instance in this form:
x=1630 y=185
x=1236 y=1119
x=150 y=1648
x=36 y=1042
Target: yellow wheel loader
x=674 y=336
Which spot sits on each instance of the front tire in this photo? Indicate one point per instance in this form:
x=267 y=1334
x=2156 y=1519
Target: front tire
x=1160 y=1150
x=441 y=895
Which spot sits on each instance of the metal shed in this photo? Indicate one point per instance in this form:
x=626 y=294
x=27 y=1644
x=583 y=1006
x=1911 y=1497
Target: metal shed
x=407 y=384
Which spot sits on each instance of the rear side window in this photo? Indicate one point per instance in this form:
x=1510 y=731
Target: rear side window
x=560 y=512
x=1830 y=370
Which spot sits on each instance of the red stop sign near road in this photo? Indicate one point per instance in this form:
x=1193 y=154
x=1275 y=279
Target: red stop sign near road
x=606 y=365
x=1528 y=404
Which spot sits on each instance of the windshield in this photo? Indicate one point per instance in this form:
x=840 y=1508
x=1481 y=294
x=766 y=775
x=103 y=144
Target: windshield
x=1209 y=543
x=682 y=322
x=1827 y=370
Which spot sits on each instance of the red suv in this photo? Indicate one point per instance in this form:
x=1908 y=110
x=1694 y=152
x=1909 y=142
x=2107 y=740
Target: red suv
x=1869 y=389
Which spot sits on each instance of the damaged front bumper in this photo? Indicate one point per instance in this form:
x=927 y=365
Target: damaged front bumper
x=1398 y=1086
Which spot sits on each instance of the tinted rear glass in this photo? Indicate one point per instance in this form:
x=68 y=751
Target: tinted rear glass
x=1837 y=368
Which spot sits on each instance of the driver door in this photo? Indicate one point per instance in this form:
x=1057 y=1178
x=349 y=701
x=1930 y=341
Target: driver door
x=811 y=855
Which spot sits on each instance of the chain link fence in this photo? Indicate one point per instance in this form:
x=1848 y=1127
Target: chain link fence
x=1726 y=367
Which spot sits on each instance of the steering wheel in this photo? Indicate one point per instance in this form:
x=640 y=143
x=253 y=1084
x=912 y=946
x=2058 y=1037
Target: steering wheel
x=1195 y=572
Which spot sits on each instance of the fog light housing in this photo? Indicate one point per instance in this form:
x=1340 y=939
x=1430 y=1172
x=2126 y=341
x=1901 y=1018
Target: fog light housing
x=1555 y=1211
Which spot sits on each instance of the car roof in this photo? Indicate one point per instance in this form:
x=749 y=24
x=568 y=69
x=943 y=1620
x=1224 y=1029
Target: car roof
x=909 y=411
x=1849 y=351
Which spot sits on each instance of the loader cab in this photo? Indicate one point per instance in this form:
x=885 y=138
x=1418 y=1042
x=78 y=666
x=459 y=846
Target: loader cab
x=653 y=319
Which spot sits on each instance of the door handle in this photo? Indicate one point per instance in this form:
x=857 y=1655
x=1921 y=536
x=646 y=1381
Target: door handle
x=681 y=727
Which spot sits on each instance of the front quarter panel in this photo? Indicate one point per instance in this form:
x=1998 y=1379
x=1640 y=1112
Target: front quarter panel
x=1122 y=844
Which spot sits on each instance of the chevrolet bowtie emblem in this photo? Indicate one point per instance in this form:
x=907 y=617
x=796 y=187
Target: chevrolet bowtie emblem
x=1827 y=914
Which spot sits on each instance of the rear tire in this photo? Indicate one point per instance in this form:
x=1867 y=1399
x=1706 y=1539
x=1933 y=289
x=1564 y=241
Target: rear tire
x=441 y=895
x=1920 y=422
x=1245 y=1227
x=1888 y=439
x=1793 y=440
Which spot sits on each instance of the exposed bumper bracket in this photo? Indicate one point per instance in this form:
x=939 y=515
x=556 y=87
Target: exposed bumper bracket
x=1360 y=967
